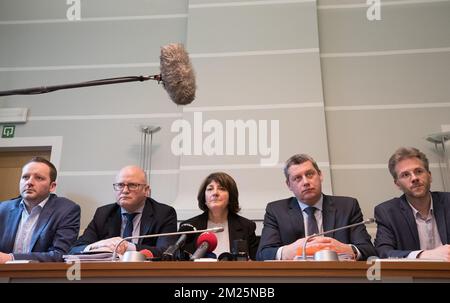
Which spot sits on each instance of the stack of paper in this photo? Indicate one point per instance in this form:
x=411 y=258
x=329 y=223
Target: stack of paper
x=91 y=256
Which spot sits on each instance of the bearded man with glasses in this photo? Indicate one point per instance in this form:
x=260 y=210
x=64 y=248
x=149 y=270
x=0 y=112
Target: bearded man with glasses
x=134 y=214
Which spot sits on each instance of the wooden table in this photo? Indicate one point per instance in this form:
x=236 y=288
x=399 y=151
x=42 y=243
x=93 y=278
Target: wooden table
x=233 y=272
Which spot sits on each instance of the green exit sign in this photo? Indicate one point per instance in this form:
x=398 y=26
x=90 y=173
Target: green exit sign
x=8 y=131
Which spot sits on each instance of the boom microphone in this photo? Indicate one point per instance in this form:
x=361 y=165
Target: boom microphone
x=169 y=254
x=177 y=76
x=368 y=221
x=206 y=243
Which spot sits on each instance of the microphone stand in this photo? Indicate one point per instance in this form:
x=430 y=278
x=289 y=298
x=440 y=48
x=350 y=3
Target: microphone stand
x=368 y=221
x=214 y=230
x=48 y=89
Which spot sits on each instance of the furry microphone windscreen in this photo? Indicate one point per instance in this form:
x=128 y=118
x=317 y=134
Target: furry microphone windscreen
x=177 y=74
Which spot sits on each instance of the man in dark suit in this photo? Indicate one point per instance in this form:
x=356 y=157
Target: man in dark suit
x=134 y=214
x=287 y=222
x=38 y=225
x=417 y=224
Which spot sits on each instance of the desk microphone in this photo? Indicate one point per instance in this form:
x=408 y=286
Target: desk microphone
x=147 y=253
x=169 y=254
x=226 y=256
x=206 y=243
x=368 y=221
x=179 y=233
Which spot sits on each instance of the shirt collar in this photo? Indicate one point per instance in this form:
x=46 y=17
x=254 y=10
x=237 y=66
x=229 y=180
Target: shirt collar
x=41 y=204
x=318 y=205
x=416 y=212
x=138 y=211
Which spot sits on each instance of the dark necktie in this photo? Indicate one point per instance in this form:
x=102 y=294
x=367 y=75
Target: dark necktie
x=128 y=230
x=311 y=223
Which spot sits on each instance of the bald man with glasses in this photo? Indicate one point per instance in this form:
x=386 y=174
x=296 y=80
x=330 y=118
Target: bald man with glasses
x=134 y=214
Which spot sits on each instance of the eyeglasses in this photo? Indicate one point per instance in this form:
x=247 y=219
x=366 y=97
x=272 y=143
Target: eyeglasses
x=131 y=186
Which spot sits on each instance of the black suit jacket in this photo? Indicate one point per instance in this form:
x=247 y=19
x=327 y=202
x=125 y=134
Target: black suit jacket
x=156 y=218
x=283 y=225
x=238 y=228
x=56 y=229
x=397 y=233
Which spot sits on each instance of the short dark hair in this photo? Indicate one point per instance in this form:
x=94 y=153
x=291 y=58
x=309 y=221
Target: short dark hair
x=299 y=159
x=53 y=173
x=403 y=153
x=228 y=183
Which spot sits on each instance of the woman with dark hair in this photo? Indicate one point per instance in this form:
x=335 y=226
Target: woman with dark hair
x=218 y=198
